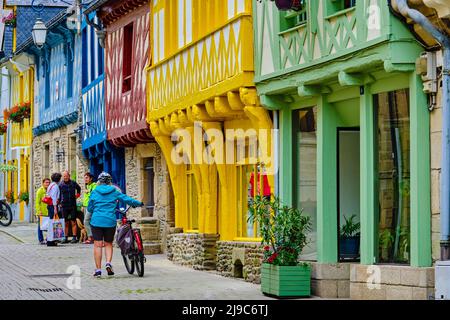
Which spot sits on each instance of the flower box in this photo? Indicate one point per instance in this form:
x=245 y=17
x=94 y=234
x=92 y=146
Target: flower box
x=286 y=281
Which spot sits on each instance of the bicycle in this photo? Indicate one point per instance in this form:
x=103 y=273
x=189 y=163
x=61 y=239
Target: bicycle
x=135 y=259
x=6 y=216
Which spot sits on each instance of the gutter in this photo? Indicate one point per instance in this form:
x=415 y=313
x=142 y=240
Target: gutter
x=444 y=40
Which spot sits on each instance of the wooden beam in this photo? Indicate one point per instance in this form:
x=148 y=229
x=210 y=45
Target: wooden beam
x=354 y=79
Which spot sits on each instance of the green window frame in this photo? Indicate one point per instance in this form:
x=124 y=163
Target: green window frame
x=291 y=18
x=334 y=6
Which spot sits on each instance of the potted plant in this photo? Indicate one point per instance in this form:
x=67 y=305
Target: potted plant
x=3 y=128
x=283 y=230
x=25 y=197
x=9 y=196
x=284 y=5
x=349 y=238
x=10 y=20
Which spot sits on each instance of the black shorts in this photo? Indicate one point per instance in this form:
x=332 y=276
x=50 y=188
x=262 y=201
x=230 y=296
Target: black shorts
x=69 y=213
x=103 y=234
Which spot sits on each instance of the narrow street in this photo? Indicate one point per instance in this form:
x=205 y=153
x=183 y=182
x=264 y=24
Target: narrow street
x=32 y=272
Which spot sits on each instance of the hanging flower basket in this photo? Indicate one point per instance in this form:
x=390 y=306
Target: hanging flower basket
x=3 y=128
x=19 y=112
x=5 y=168
x=10 y=20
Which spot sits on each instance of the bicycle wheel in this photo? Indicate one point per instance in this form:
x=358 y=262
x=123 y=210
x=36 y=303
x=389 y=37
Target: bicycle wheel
x=5 y=214
x=140 y=260
x=129 y=259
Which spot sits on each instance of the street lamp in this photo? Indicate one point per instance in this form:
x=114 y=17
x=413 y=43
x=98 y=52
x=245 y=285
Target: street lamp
x=39 y=33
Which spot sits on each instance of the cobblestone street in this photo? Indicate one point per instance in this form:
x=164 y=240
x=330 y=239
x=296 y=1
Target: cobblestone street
x=29 y=271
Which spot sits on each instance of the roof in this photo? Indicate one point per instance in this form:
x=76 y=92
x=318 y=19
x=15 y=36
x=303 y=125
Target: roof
x=56 y=20
x=94 y=5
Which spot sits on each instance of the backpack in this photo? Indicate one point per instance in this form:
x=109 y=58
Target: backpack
x=124 y=239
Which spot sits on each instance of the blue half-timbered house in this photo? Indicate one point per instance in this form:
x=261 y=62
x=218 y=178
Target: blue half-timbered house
x=101 y=154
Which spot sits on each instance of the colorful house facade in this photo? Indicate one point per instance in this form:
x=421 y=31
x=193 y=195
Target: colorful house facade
x=56 y=144
x=138 y=164
x=17 y=96
x=354 y=140
x=102 y=156
x=200 y=84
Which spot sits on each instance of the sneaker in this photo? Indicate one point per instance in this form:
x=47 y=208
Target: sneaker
x=109 y=269
x=74 y=240
x=43 y=243
x=97 y=274
x=65 y=240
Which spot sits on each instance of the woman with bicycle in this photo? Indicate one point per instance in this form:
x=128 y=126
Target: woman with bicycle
x=102 y=205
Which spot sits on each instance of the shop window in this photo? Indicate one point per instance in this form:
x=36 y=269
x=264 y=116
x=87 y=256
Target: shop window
x=305 y=172
x=192 y=196
x=393 y=161
x=149 y=185
x=291 y=18
x=127 y=57
x=334 y=6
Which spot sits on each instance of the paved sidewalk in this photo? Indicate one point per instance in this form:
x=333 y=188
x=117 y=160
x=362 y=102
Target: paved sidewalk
x=32 y=271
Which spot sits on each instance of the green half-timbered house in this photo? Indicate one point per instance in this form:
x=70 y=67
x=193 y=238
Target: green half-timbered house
x=354 y=140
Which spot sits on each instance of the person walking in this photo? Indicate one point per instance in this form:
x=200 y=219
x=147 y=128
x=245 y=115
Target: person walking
x=90 y=186
x=70 y=191
x=40 y=207
x=53 y=194
x=102 y=205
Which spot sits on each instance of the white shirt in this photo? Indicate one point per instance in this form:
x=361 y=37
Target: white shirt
x=53 y=192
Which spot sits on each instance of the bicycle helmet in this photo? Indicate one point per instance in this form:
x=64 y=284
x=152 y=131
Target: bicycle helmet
x=105 y=178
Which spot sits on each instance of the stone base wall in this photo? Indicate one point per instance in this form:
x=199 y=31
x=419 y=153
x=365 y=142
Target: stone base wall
x=62 y=137
x=240 y=259
x=397 y=282
x=330 y=280
x=198 y=251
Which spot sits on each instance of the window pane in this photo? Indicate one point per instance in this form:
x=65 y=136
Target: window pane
x=306 y=168
x=393 y=176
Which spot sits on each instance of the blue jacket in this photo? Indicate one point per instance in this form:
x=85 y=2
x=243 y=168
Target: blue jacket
x=103 y=204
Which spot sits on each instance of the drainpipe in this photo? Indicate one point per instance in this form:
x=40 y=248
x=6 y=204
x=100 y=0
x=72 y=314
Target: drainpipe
x=444 y=40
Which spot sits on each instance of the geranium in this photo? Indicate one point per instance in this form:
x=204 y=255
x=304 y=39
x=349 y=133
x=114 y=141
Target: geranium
x=9 y=196
x=3 y=128
x=19 y=112
x=283 y=230
x=24 y=196
x=10 y=19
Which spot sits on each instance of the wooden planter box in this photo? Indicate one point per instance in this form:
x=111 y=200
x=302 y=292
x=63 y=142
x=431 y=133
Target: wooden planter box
x=283 y=281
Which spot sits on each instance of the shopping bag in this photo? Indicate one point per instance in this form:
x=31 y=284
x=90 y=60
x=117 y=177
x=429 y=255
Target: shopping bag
x=44 y=221
x=56 y=229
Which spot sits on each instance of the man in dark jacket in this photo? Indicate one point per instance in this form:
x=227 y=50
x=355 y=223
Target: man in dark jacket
x=69 y=193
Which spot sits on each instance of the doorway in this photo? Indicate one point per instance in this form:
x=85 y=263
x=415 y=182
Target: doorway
x=348 y=198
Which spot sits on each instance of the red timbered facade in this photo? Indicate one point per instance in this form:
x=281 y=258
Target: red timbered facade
x=127 y=45
x=127 y=25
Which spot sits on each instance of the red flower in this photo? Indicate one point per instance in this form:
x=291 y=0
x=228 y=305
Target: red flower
x=266 y=248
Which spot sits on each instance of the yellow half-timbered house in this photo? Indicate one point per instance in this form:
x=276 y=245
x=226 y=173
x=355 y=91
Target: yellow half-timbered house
x=203 y=108
x=19 y=138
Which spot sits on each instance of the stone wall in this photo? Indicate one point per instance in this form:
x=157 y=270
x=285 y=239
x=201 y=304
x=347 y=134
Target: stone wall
x=61 y=136
x=396 y=282
x=240 y=260
x=198 y=251
x=163 y=216
x=330 y=280
x=436 y=155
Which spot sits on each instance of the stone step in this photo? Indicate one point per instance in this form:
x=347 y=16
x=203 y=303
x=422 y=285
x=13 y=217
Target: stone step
x=151 y=248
